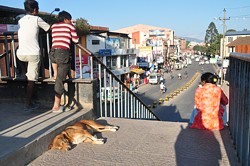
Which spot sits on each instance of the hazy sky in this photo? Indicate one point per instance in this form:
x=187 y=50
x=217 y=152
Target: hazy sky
x=188 y=18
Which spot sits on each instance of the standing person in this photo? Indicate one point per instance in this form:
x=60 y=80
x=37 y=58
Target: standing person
x=63 y=33
x=29 y=50
x=209 y=99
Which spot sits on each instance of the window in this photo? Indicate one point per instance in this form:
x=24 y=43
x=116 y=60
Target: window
x=230 y=39
x=123 y=60
x=95 y=42
x=111 y=62
x=114 y=61
x=108 y=61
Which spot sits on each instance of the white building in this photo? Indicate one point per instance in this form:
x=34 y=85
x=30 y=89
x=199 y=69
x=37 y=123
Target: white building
x=229 y=37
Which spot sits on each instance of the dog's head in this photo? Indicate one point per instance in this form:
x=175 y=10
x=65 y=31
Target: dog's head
x=60 y=142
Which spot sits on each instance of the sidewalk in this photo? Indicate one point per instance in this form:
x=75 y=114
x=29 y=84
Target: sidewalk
x=143 y=142
x=26 y=135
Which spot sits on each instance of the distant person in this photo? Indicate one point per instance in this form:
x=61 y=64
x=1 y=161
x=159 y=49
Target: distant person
x=162 y=88
x=63 y=33
x=179 y=76
x=209 y=102
x=28 y=49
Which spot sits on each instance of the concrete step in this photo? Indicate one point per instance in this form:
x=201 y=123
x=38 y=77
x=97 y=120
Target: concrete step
x=144 y=142
x=26 y=135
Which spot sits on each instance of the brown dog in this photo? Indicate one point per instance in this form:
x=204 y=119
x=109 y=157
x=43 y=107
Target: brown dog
x=81 y=131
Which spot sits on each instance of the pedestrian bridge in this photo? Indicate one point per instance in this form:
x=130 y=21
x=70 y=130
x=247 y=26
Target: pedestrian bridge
x=142 y=138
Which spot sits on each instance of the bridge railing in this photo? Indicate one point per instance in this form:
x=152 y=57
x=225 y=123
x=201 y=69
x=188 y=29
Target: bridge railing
x=239 y=104
x=115 y=99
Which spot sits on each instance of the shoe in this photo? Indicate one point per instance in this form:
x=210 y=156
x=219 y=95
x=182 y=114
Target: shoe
x=59 y=110
x=31 y=107
x=62 y=109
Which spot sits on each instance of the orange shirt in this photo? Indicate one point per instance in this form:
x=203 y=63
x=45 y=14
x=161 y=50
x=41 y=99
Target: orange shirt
x=207 y=101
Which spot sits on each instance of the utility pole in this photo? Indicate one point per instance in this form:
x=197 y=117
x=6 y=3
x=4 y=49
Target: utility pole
x=223 y=43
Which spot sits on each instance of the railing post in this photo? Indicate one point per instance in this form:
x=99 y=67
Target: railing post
x=48 y=50
x=7 y=55
x=80 y=62
x=14 y=52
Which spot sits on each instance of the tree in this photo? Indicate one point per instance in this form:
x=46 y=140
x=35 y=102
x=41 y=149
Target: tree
x=82 y=27
x=199 y=49
x=214 y=48
x=211 y=33
x=231 y=30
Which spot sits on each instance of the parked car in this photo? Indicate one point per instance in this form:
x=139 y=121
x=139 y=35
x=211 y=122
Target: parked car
x=154 y=78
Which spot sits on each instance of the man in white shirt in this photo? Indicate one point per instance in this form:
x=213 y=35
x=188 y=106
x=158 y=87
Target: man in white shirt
x=162 y=87
x=28 y=49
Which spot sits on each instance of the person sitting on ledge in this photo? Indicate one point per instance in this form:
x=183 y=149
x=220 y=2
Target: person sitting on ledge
x=209 y=99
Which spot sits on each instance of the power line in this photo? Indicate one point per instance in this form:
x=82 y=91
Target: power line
x=240 y=16
x=239 y=7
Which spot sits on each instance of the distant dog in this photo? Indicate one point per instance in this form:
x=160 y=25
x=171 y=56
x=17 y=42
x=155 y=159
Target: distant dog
x=81 y=131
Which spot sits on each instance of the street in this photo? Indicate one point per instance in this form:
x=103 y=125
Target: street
x=168 y=111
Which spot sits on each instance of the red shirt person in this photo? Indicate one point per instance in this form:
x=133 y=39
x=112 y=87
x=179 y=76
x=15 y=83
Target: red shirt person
x=208 y=100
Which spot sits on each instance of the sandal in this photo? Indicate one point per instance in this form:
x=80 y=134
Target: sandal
x=62 y=109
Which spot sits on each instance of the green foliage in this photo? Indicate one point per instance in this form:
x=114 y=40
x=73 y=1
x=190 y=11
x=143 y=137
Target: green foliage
x=214 y=48
x=212 y=40
x=231 y=30
x=211 y=33
x=187 y=44
x=82 y=27
x=199 y=49
x=50 y=19
x=8 y=20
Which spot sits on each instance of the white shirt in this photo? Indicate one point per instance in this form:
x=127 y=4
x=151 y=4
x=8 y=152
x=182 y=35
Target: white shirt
x=162 y=86
x=28 y=34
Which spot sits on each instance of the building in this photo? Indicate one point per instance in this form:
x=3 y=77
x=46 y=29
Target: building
x=230 y=37
x=113 y=49
x=161 y=40
x=240 y=45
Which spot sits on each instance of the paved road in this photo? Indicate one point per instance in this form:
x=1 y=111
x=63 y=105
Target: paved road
x=169 y=111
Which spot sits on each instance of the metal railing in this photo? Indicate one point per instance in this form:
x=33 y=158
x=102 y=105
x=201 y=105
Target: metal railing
x=115 y=98
x=9 y=54
x=239 y=104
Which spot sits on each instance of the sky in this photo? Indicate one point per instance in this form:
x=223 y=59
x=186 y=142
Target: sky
x=187 y=18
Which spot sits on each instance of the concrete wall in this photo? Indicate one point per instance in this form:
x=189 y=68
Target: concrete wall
x=79 y=93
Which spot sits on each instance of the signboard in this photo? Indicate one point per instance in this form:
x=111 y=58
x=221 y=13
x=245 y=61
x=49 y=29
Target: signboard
x=153 y=42
x=213 y=61
x=112 y=43
x=104 y=52
x=157 y=32
x=85 y=67
x=9 y=28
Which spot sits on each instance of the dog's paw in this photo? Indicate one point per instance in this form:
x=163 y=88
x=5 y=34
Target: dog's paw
x=100 y=141
x=114 y=128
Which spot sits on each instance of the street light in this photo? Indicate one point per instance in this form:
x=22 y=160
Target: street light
x=55 y=10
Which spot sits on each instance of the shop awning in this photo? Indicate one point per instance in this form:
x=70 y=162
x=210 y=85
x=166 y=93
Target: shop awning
x=137 y=71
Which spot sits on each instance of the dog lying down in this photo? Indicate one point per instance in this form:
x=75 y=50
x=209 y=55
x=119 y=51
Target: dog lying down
x=82 y=131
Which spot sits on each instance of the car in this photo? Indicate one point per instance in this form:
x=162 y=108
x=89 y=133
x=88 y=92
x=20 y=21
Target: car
x=153 y=79
x=178 y=65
